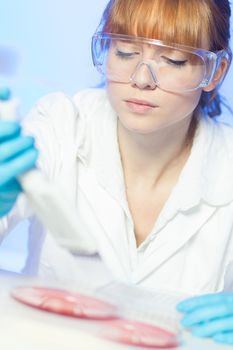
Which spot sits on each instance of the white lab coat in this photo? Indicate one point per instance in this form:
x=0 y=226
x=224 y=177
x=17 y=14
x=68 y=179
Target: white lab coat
x=190 y=247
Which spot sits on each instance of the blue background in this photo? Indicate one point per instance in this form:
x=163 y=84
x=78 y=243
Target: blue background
x=46 y=45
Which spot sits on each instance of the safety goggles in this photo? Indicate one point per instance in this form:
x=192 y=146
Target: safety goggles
x=177 y=68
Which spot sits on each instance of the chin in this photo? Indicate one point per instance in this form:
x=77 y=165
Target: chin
x=142 y=129
x=141 y=125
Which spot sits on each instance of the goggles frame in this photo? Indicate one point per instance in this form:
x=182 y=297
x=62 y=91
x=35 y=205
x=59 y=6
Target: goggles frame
x=211 y=59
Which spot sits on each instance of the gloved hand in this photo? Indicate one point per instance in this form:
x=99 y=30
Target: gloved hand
x=209 y=315
x=17 y=155
x=5 y=93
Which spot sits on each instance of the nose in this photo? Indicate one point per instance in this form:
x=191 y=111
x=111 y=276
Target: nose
x=144 y=77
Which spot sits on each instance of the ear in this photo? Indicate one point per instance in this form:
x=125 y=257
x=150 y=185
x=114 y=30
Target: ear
x=218 y=76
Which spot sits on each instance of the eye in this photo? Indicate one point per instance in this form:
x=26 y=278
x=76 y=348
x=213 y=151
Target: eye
x=178 y=63
x=126 y=55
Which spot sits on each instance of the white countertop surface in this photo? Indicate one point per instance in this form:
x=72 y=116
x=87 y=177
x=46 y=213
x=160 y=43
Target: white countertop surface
x=24 y=328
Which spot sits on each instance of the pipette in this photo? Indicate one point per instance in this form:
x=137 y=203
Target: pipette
x=49 y=202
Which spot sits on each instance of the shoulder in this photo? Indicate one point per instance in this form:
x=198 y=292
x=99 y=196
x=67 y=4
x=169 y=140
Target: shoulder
x=220 y=138
x=92 y=102
x=90 y=98
x=61 y=114
x=51 y=106
x=59 y=107
x=216 y=149
x=94 y=96
x=54 y=121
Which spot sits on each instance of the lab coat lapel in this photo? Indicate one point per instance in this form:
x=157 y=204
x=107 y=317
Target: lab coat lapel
x=102 y=183
x=109 y=219
x=176 y=234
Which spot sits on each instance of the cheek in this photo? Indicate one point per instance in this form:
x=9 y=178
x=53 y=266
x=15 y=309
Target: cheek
x=183 y=104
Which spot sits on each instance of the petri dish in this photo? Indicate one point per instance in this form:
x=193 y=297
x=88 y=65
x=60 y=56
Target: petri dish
x=65 y=303
x=140 y=334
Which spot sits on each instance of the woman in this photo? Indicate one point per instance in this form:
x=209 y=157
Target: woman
x=145 y=160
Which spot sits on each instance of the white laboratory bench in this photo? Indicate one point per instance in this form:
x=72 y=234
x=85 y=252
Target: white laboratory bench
x=25 y=328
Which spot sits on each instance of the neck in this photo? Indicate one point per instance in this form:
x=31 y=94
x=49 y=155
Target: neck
x=148 y=157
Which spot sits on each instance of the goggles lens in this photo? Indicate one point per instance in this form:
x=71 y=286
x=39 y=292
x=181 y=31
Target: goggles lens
x=172 y=68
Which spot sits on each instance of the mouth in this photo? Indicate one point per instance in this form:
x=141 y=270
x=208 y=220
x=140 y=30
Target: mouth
x=141 y=102
x=140 y=106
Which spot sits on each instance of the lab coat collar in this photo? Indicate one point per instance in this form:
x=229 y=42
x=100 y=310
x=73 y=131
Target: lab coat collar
x=206 y=176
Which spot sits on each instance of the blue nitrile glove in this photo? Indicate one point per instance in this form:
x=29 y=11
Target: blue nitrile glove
x=17 y=155
x=209 y=315
x=5 y=94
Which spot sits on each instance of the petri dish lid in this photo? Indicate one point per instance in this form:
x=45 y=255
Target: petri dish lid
x=140 y=334
x=65 y=303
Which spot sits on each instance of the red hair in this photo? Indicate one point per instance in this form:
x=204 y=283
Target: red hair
x=174 y=21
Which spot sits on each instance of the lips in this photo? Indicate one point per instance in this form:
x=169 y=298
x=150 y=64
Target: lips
x=141 y=102
x=141 y=107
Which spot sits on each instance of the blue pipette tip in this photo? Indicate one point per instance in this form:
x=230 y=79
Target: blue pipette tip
x=5 y=93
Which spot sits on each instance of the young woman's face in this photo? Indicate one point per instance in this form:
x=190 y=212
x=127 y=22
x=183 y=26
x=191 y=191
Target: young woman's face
x=142 y=106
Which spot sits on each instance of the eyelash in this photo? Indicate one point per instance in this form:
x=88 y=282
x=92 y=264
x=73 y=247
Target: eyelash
x=175 y=63
x=129 y=55
x=126 y=55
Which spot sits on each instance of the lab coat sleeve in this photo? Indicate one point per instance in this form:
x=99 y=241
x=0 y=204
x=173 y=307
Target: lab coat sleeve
x=59 y=131
x=50 y=123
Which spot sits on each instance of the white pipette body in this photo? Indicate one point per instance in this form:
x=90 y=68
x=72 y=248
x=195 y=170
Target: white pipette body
x=50 y=204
